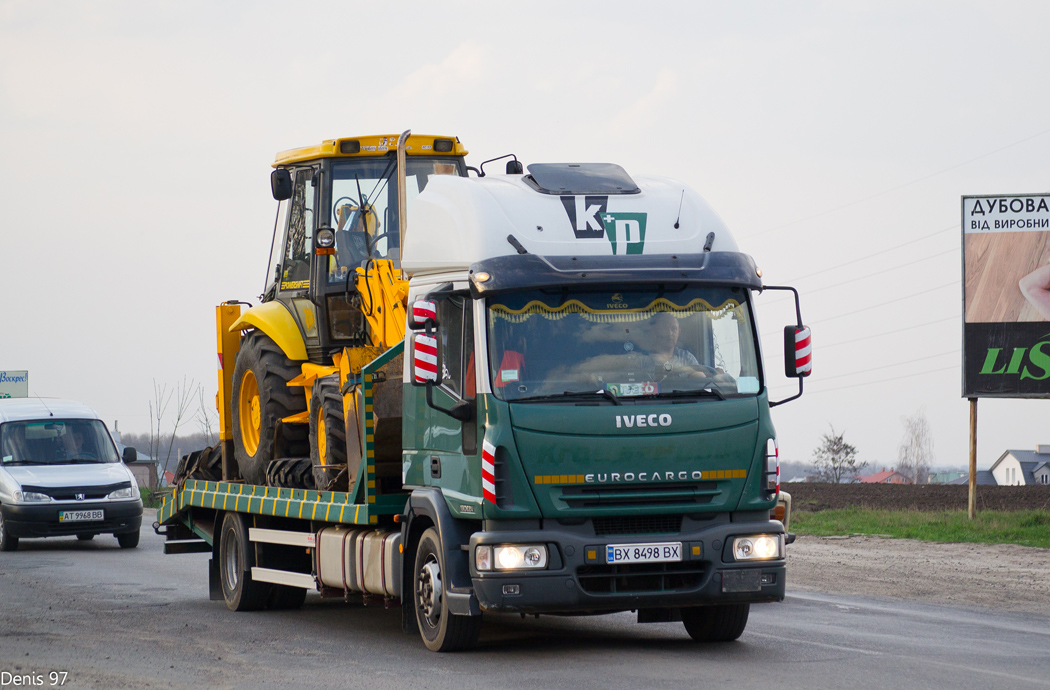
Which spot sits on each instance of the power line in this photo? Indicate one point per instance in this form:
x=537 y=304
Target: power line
x=872 y=383
x=868 y=256
x=822 y=347
x=869 y=275
x=889 y=366
x=883 y=304
x=898 y=187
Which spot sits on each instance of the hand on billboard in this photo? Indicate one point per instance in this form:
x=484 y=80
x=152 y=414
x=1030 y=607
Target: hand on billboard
x=1036 y=289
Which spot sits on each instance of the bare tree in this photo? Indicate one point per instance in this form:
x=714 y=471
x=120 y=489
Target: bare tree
x=835 y=461
x=206 y=418
x=915 y=455
x=162 y=397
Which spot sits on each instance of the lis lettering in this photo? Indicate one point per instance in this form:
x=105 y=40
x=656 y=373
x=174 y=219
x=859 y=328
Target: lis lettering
x=1037 y=356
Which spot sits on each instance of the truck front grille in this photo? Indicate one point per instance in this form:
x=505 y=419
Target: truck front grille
x=633 y=496
x=640 y=577
x=638 y=524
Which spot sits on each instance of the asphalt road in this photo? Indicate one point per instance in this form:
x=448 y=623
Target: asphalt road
x=138 y=619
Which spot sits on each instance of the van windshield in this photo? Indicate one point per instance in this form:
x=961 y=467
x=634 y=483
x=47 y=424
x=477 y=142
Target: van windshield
x=661 y=341
x=56 y=442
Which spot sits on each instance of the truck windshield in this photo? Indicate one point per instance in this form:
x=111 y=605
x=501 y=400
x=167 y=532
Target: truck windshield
x=658 y=342
x=56 y=442
x=364 y=206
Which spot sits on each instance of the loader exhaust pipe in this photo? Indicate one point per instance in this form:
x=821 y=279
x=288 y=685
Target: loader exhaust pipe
x=402 y=215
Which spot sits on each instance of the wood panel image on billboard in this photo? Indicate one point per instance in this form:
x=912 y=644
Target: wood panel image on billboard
x=1006 y=296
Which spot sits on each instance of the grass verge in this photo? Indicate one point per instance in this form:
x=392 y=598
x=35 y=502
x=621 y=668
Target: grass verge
x=1025 y=527
x=151 y=498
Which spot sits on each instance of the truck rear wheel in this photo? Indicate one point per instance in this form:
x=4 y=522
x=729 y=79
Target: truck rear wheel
x=721 y=623
x=441 y=631
x=327 y=434
x=260 y=399
x=235 y=567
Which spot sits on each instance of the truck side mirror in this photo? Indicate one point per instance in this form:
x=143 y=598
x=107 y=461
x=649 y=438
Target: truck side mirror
x=130 y=455
x=425 y=359
x=798 y=351
x=422 y=310
x=281 y=184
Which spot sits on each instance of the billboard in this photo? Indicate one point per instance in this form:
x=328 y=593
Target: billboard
x=14 y=384
x=1006 y=296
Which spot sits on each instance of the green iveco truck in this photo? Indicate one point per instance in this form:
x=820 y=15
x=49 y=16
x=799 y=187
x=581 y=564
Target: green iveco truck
x=538 y=392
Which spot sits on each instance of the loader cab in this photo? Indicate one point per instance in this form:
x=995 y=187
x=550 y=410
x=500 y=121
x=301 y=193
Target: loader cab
x=338 y=216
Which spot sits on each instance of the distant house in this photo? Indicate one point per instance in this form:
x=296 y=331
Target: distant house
x=947 y=476
x=984 y=478
x=1023 y=467
x=884 y=477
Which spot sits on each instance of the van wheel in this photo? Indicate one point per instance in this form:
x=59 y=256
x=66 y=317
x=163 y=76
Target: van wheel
x=85 y=537
x=238 y=589
x=721 y=623
x=128 y=540
x=7 y=542
x=441 y=630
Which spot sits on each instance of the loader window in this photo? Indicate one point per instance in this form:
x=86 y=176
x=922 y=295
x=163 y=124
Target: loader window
x=667 y=341
x=298 y=245
x=364 y=207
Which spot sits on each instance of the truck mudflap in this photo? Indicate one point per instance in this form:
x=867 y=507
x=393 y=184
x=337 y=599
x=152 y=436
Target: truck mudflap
x=578 y=577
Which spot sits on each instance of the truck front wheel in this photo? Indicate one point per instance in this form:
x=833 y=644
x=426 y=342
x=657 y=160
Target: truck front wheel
x=721 y=623
x=441 y=630
x=238 y=589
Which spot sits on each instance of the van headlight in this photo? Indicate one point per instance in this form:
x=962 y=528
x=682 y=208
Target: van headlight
x=761 y=547
x=32 y=497
x=510 y=557
x=126 y=492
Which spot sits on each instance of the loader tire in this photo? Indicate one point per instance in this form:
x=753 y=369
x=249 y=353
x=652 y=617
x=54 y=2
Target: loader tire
x=328 y=435
x=260 y=399
x=290 y=473
x=721 y=623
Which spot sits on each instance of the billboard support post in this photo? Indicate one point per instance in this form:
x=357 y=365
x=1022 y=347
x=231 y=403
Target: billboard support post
x=973 y=458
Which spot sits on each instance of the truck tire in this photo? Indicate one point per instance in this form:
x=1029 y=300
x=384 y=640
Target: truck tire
x=290 y=473
x=441 y=631
x=327 y=434
x=720 y=623
x=235 y=567
x=7 y=542
x=128 y=540
x=260 y=398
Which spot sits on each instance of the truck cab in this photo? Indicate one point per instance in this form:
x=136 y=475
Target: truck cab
x=586 y=389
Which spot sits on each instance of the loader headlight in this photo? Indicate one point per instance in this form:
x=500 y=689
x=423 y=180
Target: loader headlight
x=325 y=238
x=757 y=548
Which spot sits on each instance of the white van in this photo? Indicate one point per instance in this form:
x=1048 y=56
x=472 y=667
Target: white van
x=60 y=475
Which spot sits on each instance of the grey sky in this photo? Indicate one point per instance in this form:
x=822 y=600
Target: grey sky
x=136 y=141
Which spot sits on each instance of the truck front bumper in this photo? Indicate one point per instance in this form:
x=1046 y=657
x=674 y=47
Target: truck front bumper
x=577 y=578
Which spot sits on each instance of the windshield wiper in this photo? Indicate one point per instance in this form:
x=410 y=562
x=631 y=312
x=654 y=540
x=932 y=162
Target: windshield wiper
x=604 y=393
x=83 y=461
x=711 y=392
x=24 y=462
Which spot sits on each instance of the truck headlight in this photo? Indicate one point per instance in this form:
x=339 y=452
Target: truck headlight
x=32 y=497
x=510 y=557
x=757 y=548
x=122 y=493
